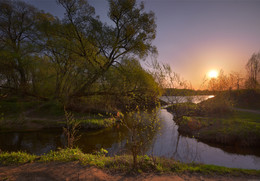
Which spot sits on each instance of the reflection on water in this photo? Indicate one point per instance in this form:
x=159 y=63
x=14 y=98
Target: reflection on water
x=182 y=99
x=39 y=142
x=167 y=142
x=170 y=144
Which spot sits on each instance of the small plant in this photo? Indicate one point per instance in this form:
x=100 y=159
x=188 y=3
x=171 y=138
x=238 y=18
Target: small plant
x=71 y=130
x=142 y=126
x=102 y=152
x=147 y=158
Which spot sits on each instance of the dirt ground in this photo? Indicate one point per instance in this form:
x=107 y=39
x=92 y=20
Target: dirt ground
x=74 y=171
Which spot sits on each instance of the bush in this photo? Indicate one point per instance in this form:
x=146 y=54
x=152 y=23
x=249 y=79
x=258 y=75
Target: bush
x=219 y=105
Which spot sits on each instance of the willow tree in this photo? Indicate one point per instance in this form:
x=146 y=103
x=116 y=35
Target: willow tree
x=100 y=46
x=129 y=84
x=76 y=51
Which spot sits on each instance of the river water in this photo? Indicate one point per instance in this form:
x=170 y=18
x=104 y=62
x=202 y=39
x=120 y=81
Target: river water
x=167 y=143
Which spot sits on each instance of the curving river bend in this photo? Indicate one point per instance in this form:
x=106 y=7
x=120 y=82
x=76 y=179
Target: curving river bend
x=167 y=143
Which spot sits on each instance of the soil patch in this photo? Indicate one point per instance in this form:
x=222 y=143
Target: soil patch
x=56 y=171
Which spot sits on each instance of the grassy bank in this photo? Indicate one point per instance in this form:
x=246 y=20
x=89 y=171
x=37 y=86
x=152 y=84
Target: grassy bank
x=24 y=115
x=216 y=121
x=238 y=128
x=121 y=163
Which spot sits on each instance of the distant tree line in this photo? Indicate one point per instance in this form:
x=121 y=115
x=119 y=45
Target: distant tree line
x=78 y=57
x=173 y=86
x=235 y=80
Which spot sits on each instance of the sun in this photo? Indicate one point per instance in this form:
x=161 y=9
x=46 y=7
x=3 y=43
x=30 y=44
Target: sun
x=213 y=74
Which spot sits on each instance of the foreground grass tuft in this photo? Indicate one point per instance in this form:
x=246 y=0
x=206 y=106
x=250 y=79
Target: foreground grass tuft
x=121 y=163
x=16 y=158
x=63 y=155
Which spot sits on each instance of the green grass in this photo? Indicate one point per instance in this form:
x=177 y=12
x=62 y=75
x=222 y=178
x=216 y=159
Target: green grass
x=238 y=127
x=16 y=158
x=96 y=123
x=121 y=163
x=241 y=124
x=19 y=114
x=213 y=169
x=246 y=116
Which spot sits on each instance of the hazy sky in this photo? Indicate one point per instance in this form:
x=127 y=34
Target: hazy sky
x=195 y=36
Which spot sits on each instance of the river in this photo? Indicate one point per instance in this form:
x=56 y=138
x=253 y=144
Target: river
x=167 y=143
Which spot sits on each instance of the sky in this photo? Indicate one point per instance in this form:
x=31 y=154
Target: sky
x=195 y=36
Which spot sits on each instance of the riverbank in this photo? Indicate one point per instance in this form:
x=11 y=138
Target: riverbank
x=35 y=115
x=73 y=164
x=29 y=124
x=217 y=121
x=238 y=129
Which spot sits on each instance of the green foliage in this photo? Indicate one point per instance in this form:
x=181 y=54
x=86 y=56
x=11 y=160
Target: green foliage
x=102 y=152
x=131 y=85
x=62 y=155
x=16 y=158
x=142 y=126
x=70 y=59
x=213 y=169
x=184 y=109
x=43 y=77
x=18 y=36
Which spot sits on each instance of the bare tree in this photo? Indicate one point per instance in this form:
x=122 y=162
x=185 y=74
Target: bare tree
x=235 y=80
x=220 y=83
x=253 y=70
x=175 y=89
x=17 y=33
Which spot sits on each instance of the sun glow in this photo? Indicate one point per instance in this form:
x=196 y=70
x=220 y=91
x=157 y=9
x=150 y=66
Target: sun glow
x=213 y=74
